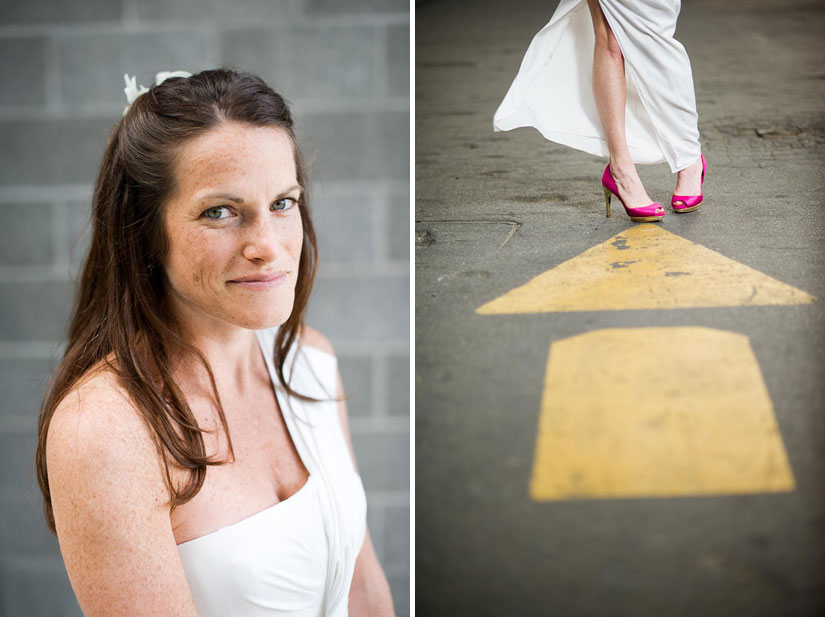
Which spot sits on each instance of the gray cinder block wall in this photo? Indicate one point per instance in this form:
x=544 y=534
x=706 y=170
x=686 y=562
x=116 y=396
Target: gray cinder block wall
x=344 y=66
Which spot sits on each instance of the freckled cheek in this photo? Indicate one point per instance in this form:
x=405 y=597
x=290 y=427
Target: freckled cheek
x=295 y=248
x=187 y=272
x=296 y=238
x=213 y=270
x=199 y=262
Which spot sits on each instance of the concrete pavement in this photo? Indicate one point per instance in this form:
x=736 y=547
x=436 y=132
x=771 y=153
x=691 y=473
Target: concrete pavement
x=496 y=210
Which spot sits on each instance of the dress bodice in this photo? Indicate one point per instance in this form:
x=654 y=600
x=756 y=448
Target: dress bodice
x=296 y=557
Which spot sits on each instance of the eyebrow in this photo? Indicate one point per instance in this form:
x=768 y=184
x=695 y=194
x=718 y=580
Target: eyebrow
x=239 y=200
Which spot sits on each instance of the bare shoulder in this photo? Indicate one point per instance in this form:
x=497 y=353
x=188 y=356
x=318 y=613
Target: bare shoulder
x=97 y=416
x=314 y=338
x=98 y=437
x=110 y=500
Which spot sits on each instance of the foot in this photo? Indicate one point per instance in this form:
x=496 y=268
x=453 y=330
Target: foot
x=689 y=181
x=631 y=189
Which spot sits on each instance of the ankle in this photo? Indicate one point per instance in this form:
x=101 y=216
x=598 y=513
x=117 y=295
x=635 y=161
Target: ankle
x=623 y=168
x=693 y=167
x=621 y=164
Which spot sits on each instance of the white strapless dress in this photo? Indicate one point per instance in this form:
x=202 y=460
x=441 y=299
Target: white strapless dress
x=553 y=89
x=297 y=557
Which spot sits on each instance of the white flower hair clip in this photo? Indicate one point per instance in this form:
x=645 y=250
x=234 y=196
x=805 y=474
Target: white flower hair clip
x=132 y=91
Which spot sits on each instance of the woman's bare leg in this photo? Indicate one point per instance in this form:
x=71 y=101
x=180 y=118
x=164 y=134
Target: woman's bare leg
x=609 y=92
x=689 y=181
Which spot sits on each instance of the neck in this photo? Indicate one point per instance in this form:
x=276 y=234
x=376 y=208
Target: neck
x=232 y=351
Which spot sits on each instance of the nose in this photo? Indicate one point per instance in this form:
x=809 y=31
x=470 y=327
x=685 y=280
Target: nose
x=261 y=240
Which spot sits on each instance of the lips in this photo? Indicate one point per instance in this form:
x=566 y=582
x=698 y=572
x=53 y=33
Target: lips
x=259 y=278
x=260 y=281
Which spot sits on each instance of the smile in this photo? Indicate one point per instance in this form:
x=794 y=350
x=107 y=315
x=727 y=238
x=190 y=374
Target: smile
x=260 y=282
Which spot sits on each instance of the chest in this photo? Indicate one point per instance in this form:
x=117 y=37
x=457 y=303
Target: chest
x=266 y=469
x=295 y=556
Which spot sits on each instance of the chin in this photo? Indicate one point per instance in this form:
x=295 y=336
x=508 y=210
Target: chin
x=268 y=316
x=258 y=322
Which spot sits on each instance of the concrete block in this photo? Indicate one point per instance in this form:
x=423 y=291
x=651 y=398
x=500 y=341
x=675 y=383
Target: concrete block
x=24 y=530
x=357 y=6
x=383 y=460
x=362 y=308
x=59 y=11
x=398 y=60
x=356 y=146
x=398 y=386
x=399 y=236
x=219 y=9
x=92 y=65
x=36 y=588
x=400 y=589
x=23 y=384
x=26 y=234
x=35 y=311
x=346 y=228
x=48 y=152
x=313 y=61
x=17 y=476
x=22 y=70
x=78 y=231
x=397 y=537
x=375 y=523
x=357 y=377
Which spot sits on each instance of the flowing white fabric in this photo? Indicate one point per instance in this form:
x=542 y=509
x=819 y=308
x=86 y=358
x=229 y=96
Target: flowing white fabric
x=553 y=89
x=297 y=557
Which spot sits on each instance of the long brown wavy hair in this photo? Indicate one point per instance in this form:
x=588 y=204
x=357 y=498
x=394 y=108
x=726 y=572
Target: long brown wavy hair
x=121 y=298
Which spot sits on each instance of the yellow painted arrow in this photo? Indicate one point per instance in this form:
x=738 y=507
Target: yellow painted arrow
x=645 y=267
x=656 y=412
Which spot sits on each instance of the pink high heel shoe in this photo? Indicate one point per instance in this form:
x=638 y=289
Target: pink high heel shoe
x=645 y=214
x=689 y=202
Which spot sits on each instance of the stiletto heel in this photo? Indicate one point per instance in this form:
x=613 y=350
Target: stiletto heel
x=690 y=202
x=606 y=201
x=645 y=214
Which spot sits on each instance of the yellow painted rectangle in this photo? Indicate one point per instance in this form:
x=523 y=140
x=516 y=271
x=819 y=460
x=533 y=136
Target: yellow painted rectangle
x=634 y=412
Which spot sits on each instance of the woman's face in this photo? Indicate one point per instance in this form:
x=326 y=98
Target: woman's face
x=234 y=228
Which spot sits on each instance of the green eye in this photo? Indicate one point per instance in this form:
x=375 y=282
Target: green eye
x=284 y=204
x=214 y=213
